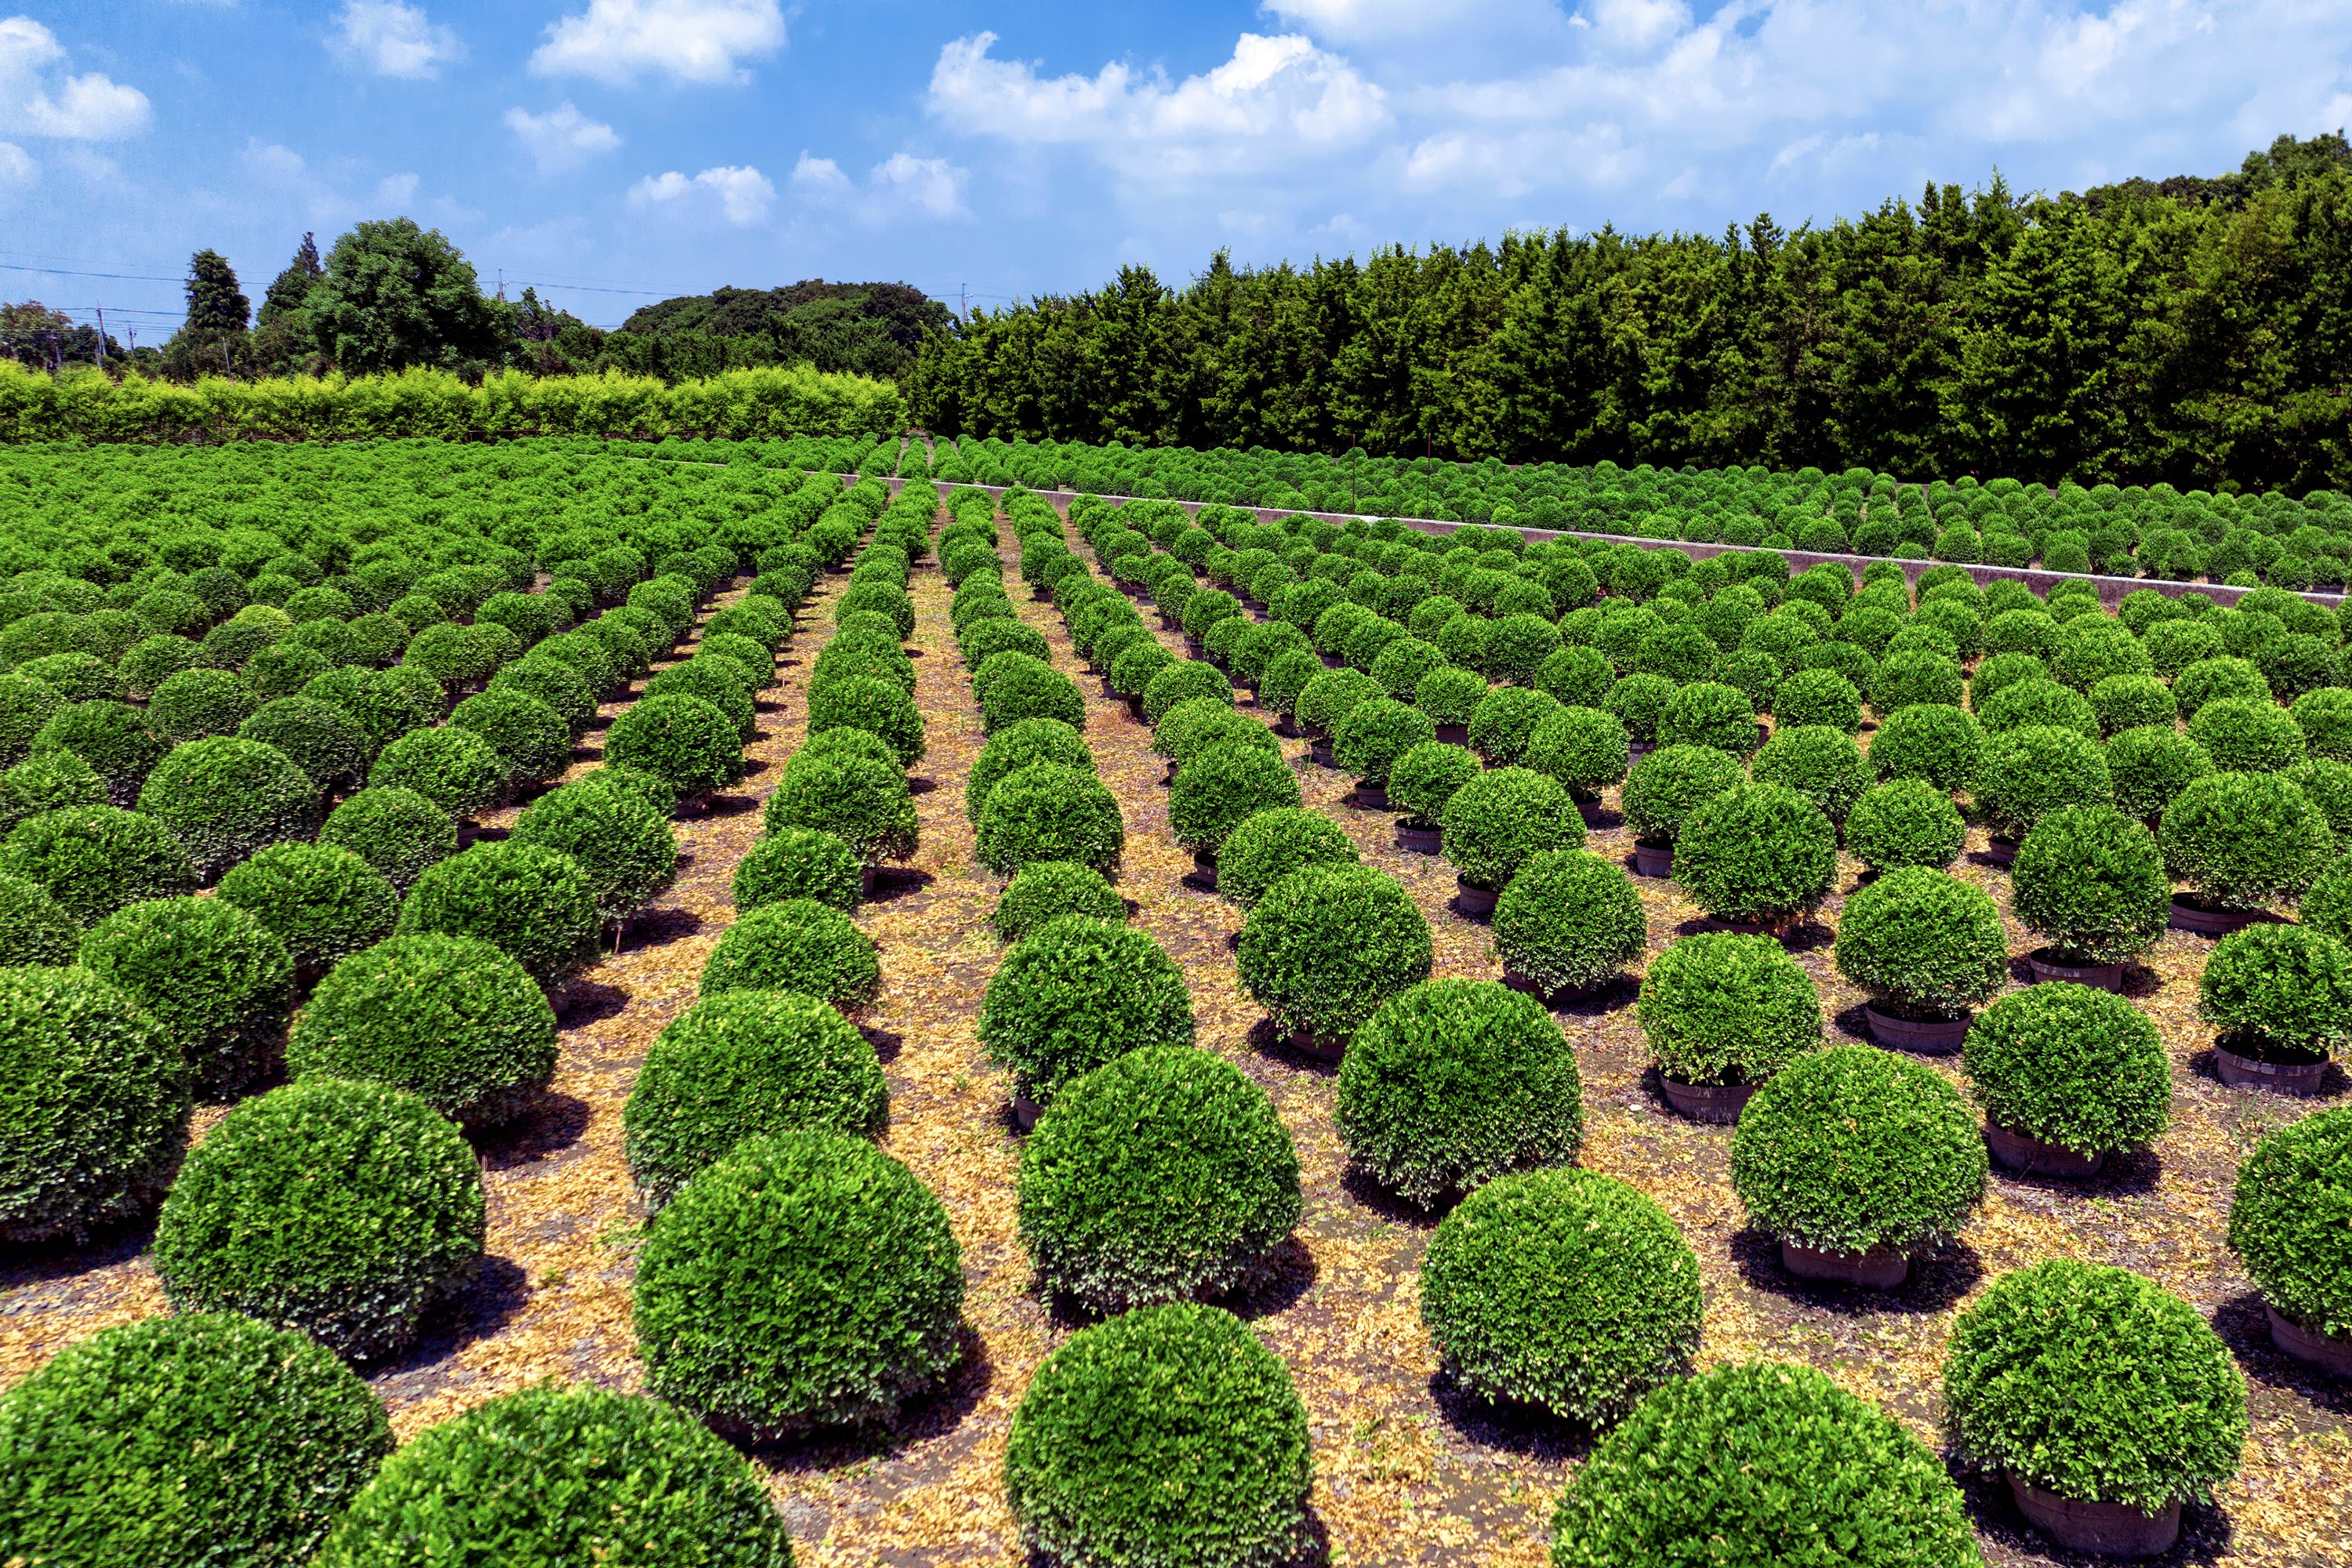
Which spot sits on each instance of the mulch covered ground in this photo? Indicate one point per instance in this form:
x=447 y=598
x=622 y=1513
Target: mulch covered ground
x=1406 y=1470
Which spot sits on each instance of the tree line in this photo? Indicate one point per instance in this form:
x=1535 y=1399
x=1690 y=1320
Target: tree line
x=2196 y=330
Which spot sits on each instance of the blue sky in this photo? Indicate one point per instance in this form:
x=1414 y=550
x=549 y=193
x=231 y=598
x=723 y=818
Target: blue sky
x=618 y=151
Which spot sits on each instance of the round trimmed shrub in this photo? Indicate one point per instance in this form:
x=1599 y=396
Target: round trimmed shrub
x=1326 y=700
x=800 y=863
x=1184 y=680
x=1046 y=812
x=1755 y=852
x=224 y=799
x=1426 y=777
x=2089 y=879
x=76 y=677
x=2035 y=770
x=1937 y=742
x=533 y=904
x=319 y=738
x=2286 y=1221
x=1851 y=1148
x=457 y=770
x=1021 y=745
x=1023 y=687
x=2096 y=1384
x=531 y=738
x=201 y=1438
x=1403 y=665
x=340 y=1208
x=94 y=1101
x=1323 y=948
x=195 y=703
x=2244 y=736
x=1924 y=943
x=1190 y=1392
x=2127 y=701
x=1579 y=676
x=2151 y=765
x=54 y=781
x=1569 y=920
x=34 y=927
x=559 y=684
x=1907 y=823
x=731 y=687
x=2244 y=840
x=2210 y=679
x=1045 y=890
x=2279 y=991
x=1664 y=787
x=682 y=741
x=1707 y=713
x=2325 y=717
x=2038 y=701
x=94 y=859
x=1496 y=821
x=1222 y=789
x=1078 y=992
x=322 y=902
x=863 y=703
x=1764 y=1464
x=1914 y=675
x=1720 y=1008
x=2071 y=1066
x=1564 y=1288
x=2001 y=671
x=1136 y=665
x=1189 y=729
x=1374 y=733
x=1582 y=750
x=1163 y=1175
x=747 y=1064
x=863 y=801
x=115 y=740
x=1270 y=844
x=451 y=1019
x=1506 y=720
x=1823 y=697
x=1818 y=762
x=807 y=1279
x=1286 y=680
x=397 y=831
x=216 y=979
x=1451 y=1083
x=621 y=845
x=796 y=945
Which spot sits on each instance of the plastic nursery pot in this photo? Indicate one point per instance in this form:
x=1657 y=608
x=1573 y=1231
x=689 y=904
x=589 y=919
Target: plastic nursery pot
x=2193 y=915
x=2032 y=1157
x=866 y=874
x=1454 y=734
x=1331 y=660
x=2326 y=1352
x=1284 y=727
x=1649 y=860
x=1474 y=903
x=1169 y=776
x=1880 y=1268
x=2098 y=976
x=1108 y=695
x=1026 y=1111
x=1719 y=1103
x=1595 y=814
x=1637 y=750
x=1927 y=1037
x=1369 y=797
x=1414 y=839
x=2242 y=1071
x=1552 y=996
x=1043 y=595
x=1320 y=750
x=1193 y=649
x=1203 y=874
x=2001 y=851
x=1307 y=1045
x=2100 y=1528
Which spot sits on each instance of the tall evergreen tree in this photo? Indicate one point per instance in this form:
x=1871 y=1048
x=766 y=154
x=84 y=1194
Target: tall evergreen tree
x=216 y=305
x=287 y=289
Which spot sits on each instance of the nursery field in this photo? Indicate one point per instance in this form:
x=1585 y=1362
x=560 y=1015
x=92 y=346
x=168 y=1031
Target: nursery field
x=551 y=1002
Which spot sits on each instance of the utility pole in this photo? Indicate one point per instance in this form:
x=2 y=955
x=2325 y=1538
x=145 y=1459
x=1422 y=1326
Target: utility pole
x=963 y=301
x=101 y=334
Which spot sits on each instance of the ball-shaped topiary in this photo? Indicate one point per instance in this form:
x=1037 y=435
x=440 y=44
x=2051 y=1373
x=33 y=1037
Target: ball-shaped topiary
x=198 y=1438
x=621 y=843
x=2038 y=701
x=1023 y=688
x=683 y=741
x=2071 y=1066
x=53 y=781
x=1222 y=789
x=2037 y=769
x=1426 y=777
x=1820 y=697
x=1374 y=733
x=319 y=738
x=2127 y=701
x=533 y=904
x=2152 y=764
x=1819 y=762
x=1163 y=1173
x=2324 y=715
x=1452 y=1083
x=2246 y=736
x=1765 y=1464
x=1190 y=1392
x=1924 y=943
x=343 y=1209
x=2286 y=1221
x=457 y=770
x=1496 y=821
x=1908 y=821
x=1045 y=890
x=733 y=690
x=1326 y=946
x=2244 y=840
x=1506 y=720
x=398 y=832
x=2096 y=1384
x=1271 y=844
x=1914 y=675
x=1852 y=1149
x=1756 y=852
x=1582 y=750
x=2091 y=881
x=1047 y=812
x=224 y=799
x=195 y=703
x=1078 y=992
x=216 y=979
x=795 y=945
x=746 y=1064
x=1708 y=713
x=1666 y=786
x=1564 y=1288
x=1937 y=742
x=93 y=859
x=2278 y=990
x=1189 y=729
x=34 y=927
x=861 y=799
x=800 y=863
x=806 y=1279
x=531 y=738
x=1720 y=1008
x=322 y=901
x=1569 y=920
x=1021 y=745
x=1183 y=681
x=451 y=1019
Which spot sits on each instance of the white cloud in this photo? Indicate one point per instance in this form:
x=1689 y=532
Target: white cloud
x=687 y=40
x=1358 y=20
x=269 y=161
x=17 y=170
x=819 y=177
x=395 y=190
x=41 y=101
x=901 y=185
x=743 y=194
x=563 y=138
x=393 y=40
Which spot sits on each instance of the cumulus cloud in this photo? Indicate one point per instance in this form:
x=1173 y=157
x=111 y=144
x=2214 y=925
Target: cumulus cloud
x=618 y=41
x=17 y=170
x=901 y=185
x=560 y=139
x=742 y=193
x=393 y=40
x=38 y=98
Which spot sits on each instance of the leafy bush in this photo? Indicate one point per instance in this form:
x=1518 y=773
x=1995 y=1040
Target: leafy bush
x=319 y=738
x=1219 y=790
x=1324 y=947
x=2286 y=1221
x=1203 y=724
x=1911 y=676
x=1496 y=821
x=1766 y=1464
x=324 y=902
x=1569 y=920
x=34 y=927
x=2090 y=880
x=533 y=903
x=1451 y=1083
x=1190 y=1392
x=1720 y=1008
x=2095 y=1384
x=2152 y=764
x=2244 y=840
x=1046 y=812
x=194 y=1439
x=399 y=831
x=1074 y=994
x=621 y=845
x=195 y=703
x=1045 y=890
x=2279 y=988
x=216 y=979
x=1023 y=687
x=682 y=741
x=806 y=1279
x=862 y=703
x=531 y=740
x=2325 y=717
x=2210 y=680
x=1755 y=852
x=343 y=1209
x=1923 y=942
x=224 y=799
x=1184 y=680
x=1564 y=1288
x=800 y=863
x=1374 y=733
x=1021 y=745
x=1907 y=823
x=457 y=770
x=863 y=800
x=1850 y=1149
x=2071 y=1066
x=1707 y=713
x=746 y=1064
x=1270 y=844
x=1818 y=762
x=2127 y=701
x=93 y=859
x=1426 y=777
x=1823 y=697
x=1582 y=750
x=2244 y=736
x=2038 y=701
x=796 y=945
x=54 y=781
x=1932 y=740
x=1505 y=720
x=2035 y=770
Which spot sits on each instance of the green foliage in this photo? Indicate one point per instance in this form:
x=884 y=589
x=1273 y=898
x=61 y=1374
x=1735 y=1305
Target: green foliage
x=531 y=740
x=2246 y=736
x=2244 y=840
x=2287 y=1221
x=319 y=738
x=1324 y=947
x=1045 y=890
x=53 y=781
x=2324 y=715
x=533 y=903
x=1708 y=713
x=1850 y=1148
x=1078 y=992
x=800 y=863
x=34 y=927
x=1506 y=720
x=1720 y=1008
x=796 y=945
x=216 y=979
x=2037 y=769
x=1939 y=743
x=1218 y=790
x=1907 y=823
x=1021 y=744
x=194 y=1439
x=1374 y=733
x=1755 y=852
x=1582 y=750
x=807 y=1279
x=621 y=847
x=2076 y=1067
x=224 y=799
x=1030 y=689
x=457 y=770
x=2279 y=988
x=2095 y=1384
x=1569 y=920
x=1422 y=780
x=1123 y=1405
x=680 y=740
x=195 y=703
x=1925 y=941
x=93 y=859
x=1818 y=696
x=863 y=801
x=1496 y=822
x=400 y=833
x=1819 y=762
x=1270 y=844
x=2152 y=764
x=322 y=902
x=451 y=1019
x=741 y=1065
x=2090 y=880
x=1046 y=812
x=343 y=1209
x=115 y=741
